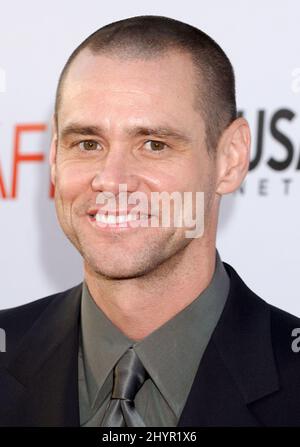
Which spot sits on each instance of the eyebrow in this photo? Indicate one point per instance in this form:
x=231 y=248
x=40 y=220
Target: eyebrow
x=138 y=131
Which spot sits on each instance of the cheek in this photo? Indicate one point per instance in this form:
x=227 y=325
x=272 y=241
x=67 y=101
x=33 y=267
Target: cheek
x=192 y=177
x=178 y=175
x=203 y=175
x=72 y=180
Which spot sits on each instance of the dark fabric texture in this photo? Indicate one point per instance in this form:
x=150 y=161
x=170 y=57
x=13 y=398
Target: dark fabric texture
x=248 y=376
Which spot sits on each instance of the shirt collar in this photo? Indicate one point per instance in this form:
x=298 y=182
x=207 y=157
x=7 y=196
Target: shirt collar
x=178 y=345
x=102 y=344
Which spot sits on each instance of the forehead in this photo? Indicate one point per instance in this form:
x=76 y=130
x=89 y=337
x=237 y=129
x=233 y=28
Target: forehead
x=166 y=82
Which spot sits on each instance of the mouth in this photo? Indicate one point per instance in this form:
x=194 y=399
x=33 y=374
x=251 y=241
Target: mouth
x=117 y=220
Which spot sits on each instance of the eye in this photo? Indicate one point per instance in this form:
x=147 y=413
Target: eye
x=155 y=146
x=89 y=145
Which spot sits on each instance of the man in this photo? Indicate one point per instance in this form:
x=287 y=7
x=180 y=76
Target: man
x=160 y=332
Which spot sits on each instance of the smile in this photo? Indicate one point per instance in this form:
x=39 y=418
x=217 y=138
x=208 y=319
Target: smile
x=112 y=219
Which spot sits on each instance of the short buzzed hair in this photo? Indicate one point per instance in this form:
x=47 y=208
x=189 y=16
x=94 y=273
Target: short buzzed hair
x=151 y=36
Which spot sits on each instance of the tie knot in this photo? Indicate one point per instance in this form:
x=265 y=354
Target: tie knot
x=129 y=376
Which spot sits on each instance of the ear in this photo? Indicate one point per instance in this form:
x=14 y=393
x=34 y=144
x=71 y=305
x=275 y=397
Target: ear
x=233 y=154
x=53 y=148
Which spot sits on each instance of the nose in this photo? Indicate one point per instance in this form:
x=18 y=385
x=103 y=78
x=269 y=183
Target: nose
x=114 y=170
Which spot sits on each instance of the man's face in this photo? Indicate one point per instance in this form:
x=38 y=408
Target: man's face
x=130 y=122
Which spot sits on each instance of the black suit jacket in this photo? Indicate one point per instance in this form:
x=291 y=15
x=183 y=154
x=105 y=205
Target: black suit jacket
x=248 y=376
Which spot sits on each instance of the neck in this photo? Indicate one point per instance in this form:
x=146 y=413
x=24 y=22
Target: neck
x=140 y=305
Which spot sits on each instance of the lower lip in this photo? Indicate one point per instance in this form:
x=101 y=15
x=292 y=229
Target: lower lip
x=125 y=226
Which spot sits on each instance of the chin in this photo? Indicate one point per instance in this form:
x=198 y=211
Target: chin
x=119 y=272
x=121 y=267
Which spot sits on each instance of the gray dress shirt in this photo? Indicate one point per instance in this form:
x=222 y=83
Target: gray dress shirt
x=171 y=355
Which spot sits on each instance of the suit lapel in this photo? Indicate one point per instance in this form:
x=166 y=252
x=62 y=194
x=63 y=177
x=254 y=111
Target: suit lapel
x=238 y=366
x=44 y=370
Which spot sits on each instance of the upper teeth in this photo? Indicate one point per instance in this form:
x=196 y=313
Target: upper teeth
x=112 y=219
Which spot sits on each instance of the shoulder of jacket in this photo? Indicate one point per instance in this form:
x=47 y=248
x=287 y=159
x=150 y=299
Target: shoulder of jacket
x=17 y=320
